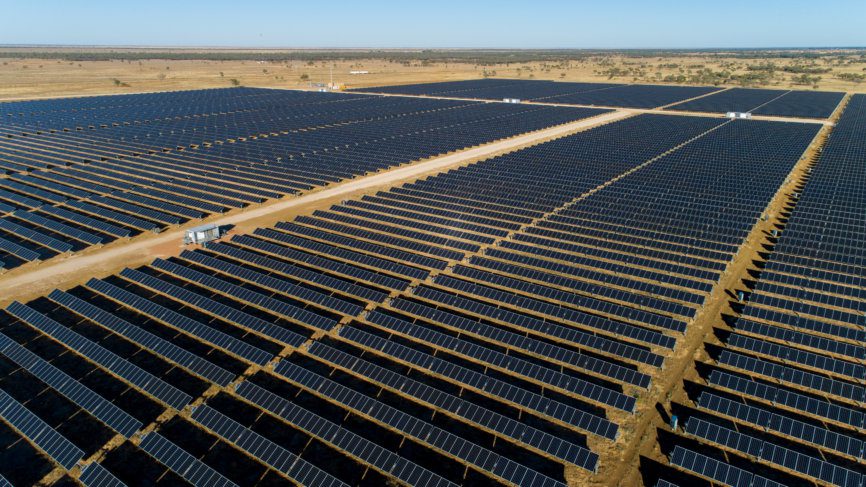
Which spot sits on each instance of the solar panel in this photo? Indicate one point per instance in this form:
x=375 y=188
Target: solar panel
x=438 y=438
x=148 y=308
x=315 y=260
x=489 y=385
x=227 y=313
x=811 y=466
x=342 y=438
x=117 y=365
x=34 y=236
x=93 y=223
x=577 y=386
x=265 y=450
x=95 y=475
x=58 y=227
x=267 y=282
x=182 y=463
x=719 y=471
x=560 y=92
x=38 y=432
x=525 y=322
x=522 y=302
x=164 y=348
x=55 y=187
x=501 y=424
x=793 y=375
x=29 y=190
x=784 y=397
x=95 y=404
x=298 y=272
x=763 y=418
x=135 y=210
x=293 y=312
x=556 y=352
x=113 y=216
x=341 y=254
x=18 y=251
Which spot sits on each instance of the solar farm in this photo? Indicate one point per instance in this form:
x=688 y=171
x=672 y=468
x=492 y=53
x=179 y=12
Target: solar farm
x=786 y=103
x=603 y=284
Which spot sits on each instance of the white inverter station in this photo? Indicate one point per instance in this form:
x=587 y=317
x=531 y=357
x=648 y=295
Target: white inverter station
x=202 y=234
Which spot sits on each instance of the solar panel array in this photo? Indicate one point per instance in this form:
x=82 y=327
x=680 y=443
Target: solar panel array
x=784 y=103
x=86 y=171
x=561 y=92
x=784 y=394
x=492 y=324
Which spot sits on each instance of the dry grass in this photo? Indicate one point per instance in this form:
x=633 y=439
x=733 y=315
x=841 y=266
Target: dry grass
x=33 y=78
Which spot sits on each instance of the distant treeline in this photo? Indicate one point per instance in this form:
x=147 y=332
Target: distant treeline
x=491 y=56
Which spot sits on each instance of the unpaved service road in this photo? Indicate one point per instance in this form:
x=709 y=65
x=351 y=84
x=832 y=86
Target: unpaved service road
x=68 y=272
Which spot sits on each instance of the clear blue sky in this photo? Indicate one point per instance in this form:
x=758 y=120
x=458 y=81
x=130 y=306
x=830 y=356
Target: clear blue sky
x=439 y=23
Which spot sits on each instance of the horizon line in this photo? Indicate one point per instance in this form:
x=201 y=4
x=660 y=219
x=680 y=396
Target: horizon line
x=422 y=48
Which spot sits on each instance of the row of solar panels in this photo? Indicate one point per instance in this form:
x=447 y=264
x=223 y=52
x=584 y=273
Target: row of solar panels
x=600 y=94
x=789 y=103
x=67 y=206
x=566 y=357
x=346 y=265
x=84 y=309
x=99 y=111
x=783 y=103
x=785 y=392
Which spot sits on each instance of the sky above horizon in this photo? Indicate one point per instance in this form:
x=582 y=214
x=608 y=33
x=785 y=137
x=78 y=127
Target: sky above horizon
x=442 y=24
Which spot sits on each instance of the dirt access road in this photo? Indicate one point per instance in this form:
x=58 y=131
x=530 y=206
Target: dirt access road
x=65 y=273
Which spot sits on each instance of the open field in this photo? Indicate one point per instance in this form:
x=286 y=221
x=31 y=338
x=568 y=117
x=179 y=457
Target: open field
x=31 y=77
x=425 y=290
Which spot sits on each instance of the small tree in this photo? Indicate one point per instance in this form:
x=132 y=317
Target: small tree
x=305 y=77
x=235 y=82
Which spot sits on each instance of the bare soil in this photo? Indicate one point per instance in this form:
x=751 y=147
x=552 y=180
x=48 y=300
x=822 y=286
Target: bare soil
x=36 y=78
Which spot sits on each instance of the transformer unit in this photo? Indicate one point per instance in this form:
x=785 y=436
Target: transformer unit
x=511 y=100
x=743 y=115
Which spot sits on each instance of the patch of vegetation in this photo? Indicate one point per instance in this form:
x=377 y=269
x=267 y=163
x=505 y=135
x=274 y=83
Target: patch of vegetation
x=675 y=78
x=235 y=82
x=120 y=84
x=617 y=72
x=767 y=67
x=853 y=77
x=805 y=79
x=806 y=69
x=707 y=76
